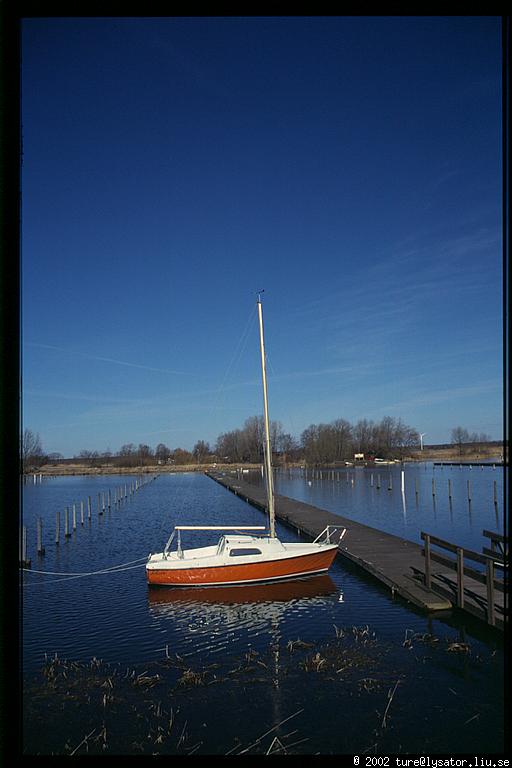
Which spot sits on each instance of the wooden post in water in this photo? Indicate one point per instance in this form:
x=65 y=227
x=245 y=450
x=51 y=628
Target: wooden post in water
x=88 y=507
x=469 y=490
x=40 y=548
x=24 y=562
x=433 y=487
x=109 y=499
x=103 y=500
x=57 y=527
x=449 y=488
x=416 y=490
x=66 y=524
x=378 y=482
x=82 y=512
x=99 y=504
x=74 y=517
x=371 y=479
x=495 y=494
x=403 y=481
x=390 y=484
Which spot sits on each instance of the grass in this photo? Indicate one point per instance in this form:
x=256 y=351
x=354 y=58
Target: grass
x=349 y=694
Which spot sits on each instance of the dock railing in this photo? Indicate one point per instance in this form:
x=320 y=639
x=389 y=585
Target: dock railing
x=499 y=545
x=492 y=562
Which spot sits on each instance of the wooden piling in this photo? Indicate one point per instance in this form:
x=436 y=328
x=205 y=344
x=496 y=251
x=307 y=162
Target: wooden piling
x=66 y=524
x=449 y=488
x=390 y=483
x=81 y=512
x=495 y=493
x=416 y=489
x=433 y=487
x=57 y=527
x=99 y=504
x=469 y=490
x=24 y=561
x=40 y=548
x=88 y=507
x=74 y=517
x=378 y=482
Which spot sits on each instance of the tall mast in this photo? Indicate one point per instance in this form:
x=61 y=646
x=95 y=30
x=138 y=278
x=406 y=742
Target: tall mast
x=268 y=452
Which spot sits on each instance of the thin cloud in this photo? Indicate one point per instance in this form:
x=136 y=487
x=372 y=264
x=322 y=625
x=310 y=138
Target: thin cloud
x=454 y=393
x=105 y=359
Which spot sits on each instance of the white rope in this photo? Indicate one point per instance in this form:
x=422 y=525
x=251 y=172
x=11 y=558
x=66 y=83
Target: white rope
x=85 y=573
x=69 y=576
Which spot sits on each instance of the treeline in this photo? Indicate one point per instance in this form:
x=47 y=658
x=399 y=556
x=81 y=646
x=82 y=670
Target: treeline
x=465 y=440
x=337 y=441
x=330 y=443
x=340 y=440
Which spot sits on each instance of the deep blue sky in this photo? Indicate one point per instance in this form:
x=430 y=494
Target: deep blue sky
x=349 y=166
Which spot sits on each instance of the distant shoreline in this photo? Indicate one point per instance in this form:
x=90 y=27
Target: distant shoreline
x=440 y=455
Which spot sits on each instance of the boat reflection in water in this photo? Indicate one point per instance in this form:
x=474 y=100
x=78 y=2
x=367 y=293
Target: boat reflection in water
x=222 y=621
x=280 y=593
x=197 y=621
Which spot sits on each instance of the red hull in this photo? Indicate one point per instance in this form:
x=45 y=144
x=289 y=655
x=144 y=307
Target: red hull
x=248 y=572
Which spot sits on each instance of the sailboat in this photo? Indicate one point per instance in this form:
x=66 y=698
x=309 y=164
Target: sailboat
x=244 y=558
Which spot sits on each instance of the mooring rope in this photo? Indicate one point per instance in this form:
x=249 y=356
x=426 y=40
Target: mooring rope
x=80 y=575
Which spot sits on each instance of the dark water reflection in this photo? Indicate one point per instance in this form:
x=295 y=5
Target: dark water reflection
x=114 y=616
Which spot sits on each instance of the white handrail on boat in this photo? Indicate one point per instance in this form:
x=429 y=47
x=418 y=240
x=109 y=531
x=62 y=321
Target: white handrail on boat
x=327 y=533
x=206 y=528
x=220 y=527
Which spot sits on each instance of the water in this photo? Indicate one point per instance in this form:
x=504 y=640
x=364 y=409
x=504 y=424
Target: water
x=457 y=520
x=117 y=618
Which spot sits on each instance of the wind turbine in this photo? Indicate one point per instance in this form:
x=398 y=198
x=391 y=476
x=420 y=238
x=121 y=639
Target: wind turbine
x=422 y=435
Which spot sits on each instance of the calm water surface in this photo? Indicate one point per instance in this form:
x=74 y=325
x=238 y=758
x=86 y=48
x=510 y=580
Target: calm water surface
x=78 y=612
x=425 y=504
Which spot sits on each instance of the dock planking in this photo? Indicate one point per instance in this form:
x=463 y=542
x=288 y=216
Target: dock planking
x=395 y=562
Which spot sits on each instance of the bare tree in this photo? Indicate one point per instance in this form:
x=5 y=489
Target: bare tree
x=127 y=455
x=200 y=451
x=460 y=436
x=31 y=449
x=162 y=452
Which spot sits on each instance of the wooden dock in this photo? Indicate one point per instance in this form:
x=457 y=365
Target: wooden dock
x=395 y=562
x=467 y=463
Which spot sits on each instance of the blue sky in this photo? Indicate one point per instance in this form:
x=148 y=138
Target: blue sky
x=172 y=167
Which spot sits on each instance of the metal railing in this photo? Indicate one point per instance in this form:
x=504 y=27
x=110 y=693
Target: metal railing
x=327 y=532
